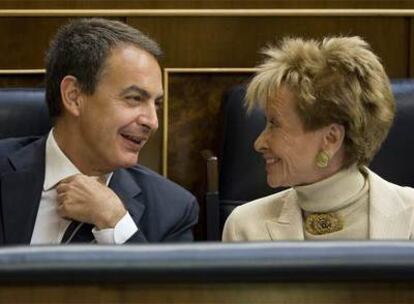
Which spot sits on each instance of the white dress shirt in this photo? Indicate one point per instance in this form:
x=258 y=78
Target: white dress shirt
x=49 y=226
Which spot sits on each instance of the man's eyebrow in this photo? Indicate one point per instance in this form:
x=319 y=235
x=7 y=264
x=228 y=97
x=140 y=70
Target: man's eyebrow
x=135 y=89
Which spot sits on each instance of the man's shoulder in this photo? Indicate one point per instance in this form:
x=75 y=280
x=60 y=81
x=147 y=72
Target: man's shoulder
x=153 y=182
x=9 y=145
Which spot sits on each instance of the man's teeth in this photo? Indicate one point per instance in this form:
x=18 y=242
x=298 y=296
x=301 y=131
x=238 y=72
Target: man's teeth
x=132 y=138
x=270 y=161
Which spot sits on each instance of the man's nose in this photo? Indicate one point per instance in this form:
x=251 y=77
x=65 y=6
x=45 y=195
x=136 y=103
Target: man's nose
x=149 y=117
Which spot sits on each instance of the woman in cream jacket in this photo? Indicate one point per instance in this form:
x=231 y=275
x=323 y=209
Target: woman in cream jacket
x=328 y=107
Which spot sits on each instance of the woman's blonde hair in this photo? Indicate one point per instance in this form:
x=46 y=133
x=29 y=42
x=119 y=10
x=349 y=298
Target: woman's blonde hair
x=338 y=80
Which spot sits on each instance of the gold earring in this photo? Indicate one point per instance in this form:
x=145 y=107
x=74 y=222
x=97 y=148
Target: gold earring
x=322 y=159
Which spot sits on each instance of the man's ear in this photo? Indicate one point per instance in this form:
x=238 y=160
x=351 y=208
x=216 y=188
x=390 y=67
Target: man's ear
x=71 y=95
x=334 y=138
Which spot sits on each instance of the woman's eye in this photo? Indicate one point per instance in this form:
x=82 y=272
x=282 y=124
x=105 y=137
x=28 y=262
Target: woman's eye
x=272 y=123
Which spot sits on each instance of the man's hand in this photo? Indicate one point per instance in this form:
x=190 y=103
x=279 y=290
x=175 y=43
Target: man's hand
x=85 y=199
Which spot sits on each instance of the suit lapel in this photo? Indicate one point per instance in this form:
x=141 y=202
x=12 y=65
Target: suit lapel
x=389 y=217
x=288 y=226
x=21 y=190
x=127 y=189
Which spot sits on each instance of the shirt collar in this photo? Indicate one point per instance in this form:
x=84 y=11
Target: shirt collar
x=57 y=165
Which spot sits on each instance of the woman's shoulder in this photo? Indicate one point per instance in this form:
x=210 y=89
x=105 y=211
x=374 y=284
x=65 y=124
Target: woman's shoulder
x=264 y=206
x=248 y=221
x=381 y=186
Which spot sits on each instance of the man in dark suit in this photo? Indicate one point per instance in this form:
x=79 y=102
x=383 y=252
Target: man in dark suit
x=81 y=183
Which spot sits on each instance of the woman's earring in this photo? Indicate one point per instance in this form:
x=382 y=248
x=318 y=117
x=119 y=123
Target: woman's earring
x=322 y=159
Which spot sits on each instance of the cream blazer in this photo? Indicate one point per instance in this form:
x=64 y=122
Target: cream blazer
x=278 y=216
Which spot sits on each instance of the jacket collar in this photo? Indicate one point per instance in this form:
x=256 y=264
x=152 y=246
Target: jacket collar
x=288 y=226
x=130 y=193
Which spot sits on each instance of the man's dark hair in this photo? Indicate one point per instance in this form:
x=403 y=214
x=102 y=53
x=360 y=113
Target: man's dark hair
x=80 y=48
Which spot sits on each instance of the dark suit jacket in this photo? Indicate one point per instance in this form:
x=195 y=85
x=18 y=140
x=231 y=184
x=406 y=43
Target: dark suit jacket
x=162 y=210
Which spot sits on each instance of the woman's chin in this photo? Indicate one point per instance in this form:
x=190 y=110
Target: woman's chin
x=273 y=183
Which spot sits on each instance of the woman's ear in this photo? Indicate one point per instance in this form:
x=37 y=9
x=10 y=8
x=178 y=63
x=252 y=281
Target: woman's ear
x=71 y=95
x=334 y=138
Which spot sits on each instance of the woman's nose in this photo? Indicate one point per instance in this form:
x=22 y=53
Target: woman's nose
x=260 y=143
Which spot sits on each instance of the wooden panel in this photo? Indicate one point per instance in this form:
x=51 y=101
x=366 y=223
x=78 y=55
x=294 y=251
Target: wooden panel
x=235 y=41
x=171 y=4
x=298 y=293
x=216 y=41
x=194 y=106
x=21 y=81
x=411 y=49
x=151 y=154
x=27 y=40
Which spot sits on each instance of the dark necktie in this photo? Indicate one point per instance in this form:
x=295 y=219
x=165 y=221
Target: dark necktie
x=78 y=232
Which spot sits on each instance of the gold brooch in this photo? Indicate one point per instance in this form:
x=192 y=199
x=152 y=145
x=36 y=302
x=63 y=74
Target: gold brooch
x=323 y=223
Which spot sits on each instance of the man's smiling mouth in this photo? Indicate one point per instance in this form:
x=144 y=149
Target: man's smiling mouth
x=135 y=139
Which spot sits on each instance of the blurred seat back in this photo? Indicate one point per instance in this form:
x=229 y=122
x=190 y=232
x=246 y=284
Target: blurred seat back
x=395 y=160
x=23 y=112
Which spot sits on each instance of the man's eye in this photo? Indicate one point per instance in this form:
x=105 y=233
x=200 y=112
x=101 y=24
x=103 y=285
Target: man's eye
x=134 y=98
x=158 y=105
